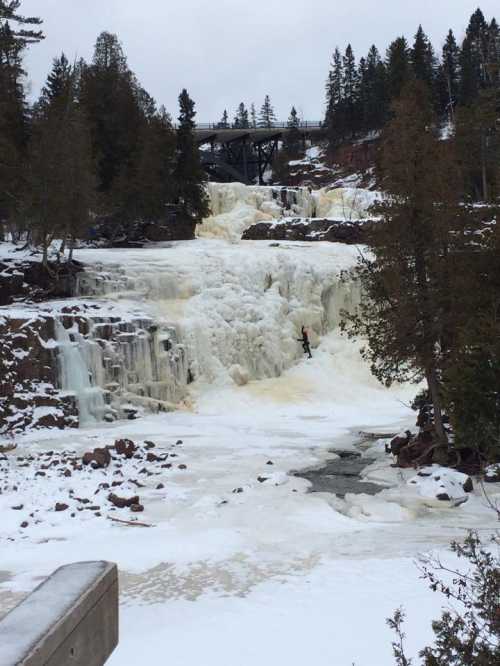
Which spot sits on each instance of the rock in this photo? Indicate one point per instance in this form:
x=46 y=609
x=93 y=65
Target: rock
x=19 y=507
x=261 y=479
x=40 y=474
x=98 y=458
x=122 y=502
x=178 y=442
x=160 y=486
x=269 y=462
x=60 y=506
x=399 y=442
x=468 y=486
x=125 y=447
x=24 y=524
x=136 y=508
x=237 y=491
x=492 y=473
x=151 y=457
x=444 y=497
x=182 y=466
x=149 y=445
x=67 y=472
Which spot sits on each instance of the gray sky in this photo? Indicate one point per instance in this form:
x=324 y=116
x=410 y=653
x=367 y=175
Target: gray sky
x=227 y=51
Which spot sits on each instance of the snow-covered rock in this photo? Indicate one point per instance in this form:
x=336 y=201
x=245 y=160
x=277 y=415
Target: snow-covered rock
x=441 y=483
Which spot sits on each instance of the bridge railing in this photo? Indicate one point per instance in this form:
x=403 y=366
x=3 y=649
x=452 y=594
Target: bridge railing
x=71 y=618
x=278 y=124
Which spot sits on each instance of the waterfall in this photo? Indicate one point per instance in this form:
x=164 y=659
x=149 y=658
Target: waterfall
x=75 y=378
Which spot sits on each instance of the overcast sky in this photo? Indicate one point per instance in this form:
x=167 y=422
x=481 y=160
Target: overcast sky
x=228 y=51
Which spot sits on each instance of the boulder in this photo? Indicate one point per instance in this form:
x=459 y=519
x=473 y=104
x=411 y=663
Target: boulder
x=98 y=458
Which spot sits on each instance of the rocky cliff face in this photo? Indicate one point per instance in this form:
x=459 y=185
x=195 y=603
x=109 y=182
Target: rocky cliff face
x=335 y=231
x=62 y=365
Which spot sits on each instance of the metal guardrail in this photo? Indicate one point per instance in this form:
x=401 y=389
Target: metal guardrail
x=70 y=619
x=303 y=124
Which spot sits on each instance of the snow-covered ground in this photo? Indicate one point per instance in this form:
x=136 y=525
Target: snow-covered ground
x=240 y=564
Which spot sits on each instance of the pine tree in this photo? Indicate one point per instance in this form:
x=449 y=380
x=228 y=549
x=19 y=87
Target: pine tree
x=241 y=117
x=253 y=116
x=350 y=90
x=266 y=115
x=398 y=66
x=113 y=103
x=405 y=315
x=423 y=60
x=335 y=120
x=189 y=175
x=16 y=33
x=373 y=91
x=60 y=184
x=224 y=121
x=449 y=76
x=473 y=58
x=292 y=141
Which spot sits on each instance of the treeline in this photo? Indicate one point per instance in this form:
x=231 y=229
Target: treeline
x=94 y=144
x=359 y=95
x=245 y=118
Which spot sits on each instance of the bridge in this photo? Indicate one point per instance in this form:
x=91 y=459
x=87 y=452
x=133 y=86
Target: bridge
x=245 y=154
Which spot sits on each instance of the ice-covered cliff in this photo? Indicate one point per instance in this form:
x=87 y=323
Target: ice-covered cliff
x=236 y=310
x=236 y=207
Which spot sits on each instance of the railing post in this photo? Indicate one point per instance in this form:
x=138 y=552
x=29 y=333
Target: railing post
x=69 y=620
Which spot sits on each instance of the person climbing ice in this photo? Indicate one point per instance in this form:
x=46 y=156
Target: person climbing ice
x=306 y=346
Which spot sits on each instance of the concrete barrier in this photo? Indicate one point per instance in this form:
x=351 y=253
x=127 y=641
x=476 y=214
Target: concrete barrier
x=71 y=619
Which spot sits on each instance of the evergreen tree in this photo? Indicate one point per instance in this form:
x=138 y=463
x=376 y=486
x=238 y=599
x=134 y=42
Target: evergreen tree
x=335 y=109
x=423 y=60
x=253 y=116
x=60 y=185
x=473 y=58
x=16 y=33
x=449 y=76
x=292 y=141
x=224 y=121
x=189 y=175
x=350 y=89
x=266 y=115
x=241 y=117
x=113 y=103
x=373 y=91
x=405 y=315
x=398 y=66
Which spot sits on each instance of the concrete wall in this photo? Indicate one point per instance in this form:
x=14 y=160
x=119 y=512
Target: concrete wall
x=69 y=620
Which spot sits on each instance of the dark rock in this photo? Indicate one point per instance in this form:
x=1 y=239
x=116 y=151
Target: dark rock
x=261 y=479
x=67 y=472
x=60 y=506
x=19 y=507
x=160 y=486
x=136 y=508
x=182 y=466
x=98 y=458
x=269 y=462
x=122 y=502
x=149 y=445
x=24 y=524
x=443 y=497
x=125 y=447
x=468 y=485
x=151 y=457
x=237 y=491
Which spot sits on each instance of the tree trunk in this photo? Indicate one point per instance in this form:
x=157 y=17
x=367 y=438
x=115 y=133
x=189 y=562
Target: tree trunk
x=433 y=384
x=484 y=174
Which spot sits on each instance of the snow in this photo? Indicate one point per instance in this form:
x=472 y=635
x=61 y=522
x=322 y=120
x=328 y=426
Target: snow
x=436 y=480
x=255 y=570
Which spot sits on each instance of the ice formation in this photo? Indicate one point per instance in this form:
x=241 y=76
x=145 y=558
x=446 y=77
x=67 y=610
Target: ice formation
x=236 y=207
x=232 y=312
x=207 y=311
